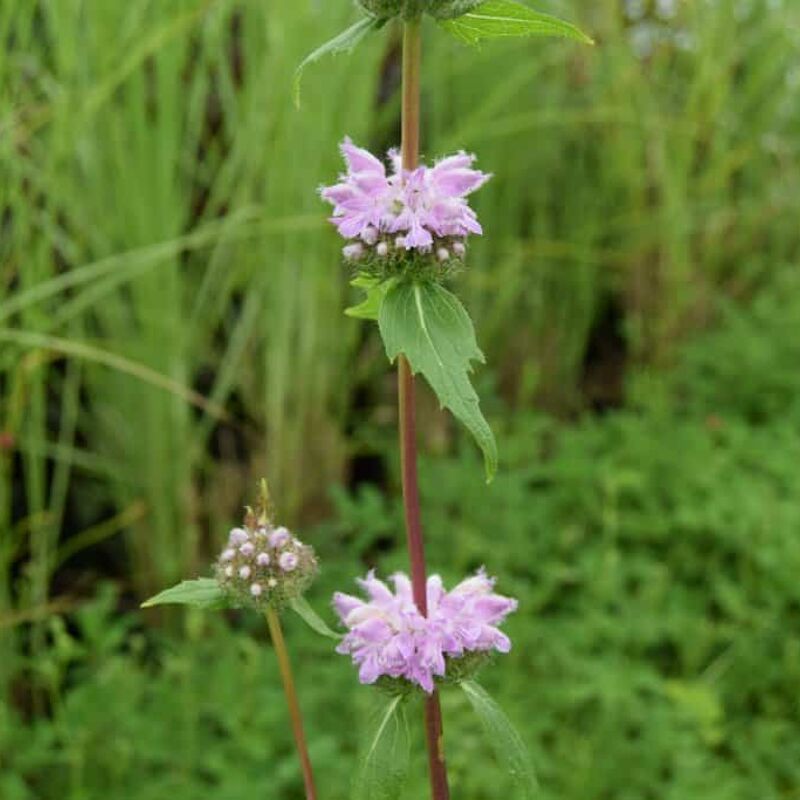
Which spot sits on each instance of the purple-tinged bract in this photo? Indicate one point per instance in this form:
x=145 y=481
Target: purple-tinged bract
x=423 y=210
x=388 y=636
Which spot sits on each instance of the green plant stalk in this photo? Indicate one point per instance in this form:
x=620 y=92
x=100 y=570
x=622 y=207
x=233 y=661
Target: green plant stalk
x=276 y=632
x=412 y=52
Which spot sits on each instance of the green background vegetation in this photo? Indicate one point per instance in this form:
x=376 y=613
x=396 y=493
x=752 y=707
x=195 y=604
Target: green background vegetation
x=171 y=329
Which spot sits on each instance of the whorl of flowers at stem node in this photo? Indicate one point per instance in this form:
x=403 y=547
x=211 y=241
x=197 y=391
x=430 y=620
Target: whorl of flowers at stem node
x=388 y=638
x=392 y=217
x=262 y=565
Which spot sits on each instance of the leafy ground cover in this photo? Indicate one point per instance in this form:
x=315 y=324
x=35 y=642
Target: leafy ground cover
x=655 y=552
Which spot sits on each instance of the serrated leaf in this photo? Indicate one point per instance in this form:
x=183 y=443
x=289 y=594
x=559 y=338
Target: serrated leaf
x=202 y=593
x=301 y=607
x=430 y=327
x=507 y=18
x=376 y=290
x=345 y=42
x=383 y=770
x=503 y=737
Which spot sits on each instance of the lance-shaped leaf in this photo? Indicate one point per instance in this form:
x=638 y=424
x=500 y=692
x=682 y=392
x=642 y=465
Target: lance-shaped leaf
x=314 y=621
x=202 y=593
x=383 y=770
x=503 y=737
x=345 y=42
x=507 y=18
x=429 y=326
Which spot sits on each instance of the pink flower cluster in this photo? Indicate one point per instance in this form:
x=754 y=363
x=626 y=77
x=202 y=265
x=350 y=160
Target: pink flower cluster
x=422 y=209
x=388 y=636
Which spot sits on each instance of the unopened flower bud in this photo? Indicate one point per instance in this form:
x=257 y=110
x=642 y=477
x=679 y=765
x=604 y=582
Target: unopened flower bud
x=369 y=235
x=279 y=537
x=459 y=249
x=443 y=254
x=238 y=536
x=288 y=562
x=244 y=572
x=382 y=249
x=256 y=590
x=352 y=252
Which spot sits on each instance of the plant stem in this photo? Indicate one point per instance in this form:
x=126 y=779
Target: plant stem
x=412 y=62
x=276 y=632
x=412 y=57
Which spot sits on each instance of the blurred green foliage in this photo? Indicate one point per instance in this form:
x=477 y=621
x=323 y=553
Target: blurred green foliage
x=656 y=650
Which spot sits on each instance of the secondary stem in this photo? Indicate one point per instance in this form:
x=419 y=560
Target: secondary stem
x=412 y=57
x=276 y=632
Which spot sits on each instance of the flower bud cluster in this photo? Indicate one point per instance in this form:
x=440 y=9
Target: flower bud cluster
x=441 y=9
x=373 y=244
x=264 y=566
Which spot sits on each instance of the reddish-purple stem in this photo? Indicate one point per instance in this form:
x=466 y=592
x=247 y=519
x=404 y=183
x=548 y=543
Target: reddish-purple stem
x=412 y=47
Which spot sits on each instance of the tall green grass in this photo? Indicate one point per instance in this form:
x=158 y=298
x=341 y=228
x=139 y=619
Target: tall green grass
x=162 y=232
x=649 y=181
x=170 y=295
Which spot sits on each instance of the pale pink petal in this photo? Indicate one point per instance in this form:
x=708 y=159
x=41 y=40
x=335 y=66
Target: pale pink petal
x=459 y=160
x=403 y=588
x=344 y=604
x=493 y=607
x=479 y=583
x=458 y=182
x=370 y=671
x=435 y=592
x=376 y=589
x=360 y=160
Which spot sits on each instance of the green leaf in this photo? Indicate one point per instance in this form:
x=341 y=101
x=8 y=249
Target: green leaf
x=345 y=42
x=503 y=18
x=384 y=763
x=430 y=327
x=503 y=737
x=301 y=607
x=202 y=593
x=376 y=290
